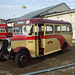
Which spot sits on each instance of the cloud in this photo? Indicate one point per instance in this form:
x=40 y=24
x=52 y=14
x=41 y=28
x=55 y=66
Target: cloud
x=9 y=8
x=8 y=11
x=13 y=11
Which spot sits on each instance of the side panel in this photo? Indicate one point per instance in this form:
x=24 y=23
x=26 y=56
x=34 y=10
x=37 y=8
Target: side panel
x=68 y=38
x=52 y=45
x=18 y=43
x=29 y=44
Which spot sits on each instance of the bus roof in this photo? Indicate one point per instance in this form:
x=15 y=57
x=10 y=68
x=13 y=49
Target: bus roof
x=3 y=20
x=39 y=20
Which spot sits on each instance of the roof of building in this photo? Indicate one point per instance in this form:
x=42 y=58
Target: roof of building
x=39 y=13
x=60 y=13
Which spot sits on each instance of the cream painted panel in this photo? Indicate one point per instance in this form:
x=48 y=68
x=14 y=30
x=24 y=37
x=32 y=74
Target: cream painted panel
x=74 y=35
x=52 y=47
x=17 y=43
x=42 y=43
x=68 y=38
x=29 y=44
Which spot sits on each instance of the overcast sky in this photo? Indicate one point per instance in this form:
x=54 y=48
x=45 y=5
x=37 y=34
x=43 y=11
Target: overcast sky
x=13 y=8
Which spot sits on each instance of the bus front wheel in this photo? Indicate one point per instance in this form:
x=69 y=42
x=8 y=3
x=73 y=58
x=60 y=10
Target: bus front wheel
x=21 y=59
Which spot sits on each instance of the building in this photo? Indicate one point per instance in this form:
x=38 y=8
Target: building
x=56 y=12
x=66 y=16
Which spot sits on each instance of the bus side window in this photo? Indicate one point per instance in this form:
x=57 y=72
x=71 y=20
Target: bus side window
x=35 y=29
x=2 y=22
x=2 y=30
x=48 y=29
x=69 y=29
x=57 y=29
x=64 y=29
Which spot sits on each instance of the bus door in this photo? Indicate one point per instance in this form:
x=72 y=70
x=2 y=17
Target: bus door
x=40 y=34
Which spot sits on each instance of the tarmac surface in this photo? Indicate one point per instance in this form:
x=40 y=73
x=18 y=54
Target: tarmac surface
x=49 y=61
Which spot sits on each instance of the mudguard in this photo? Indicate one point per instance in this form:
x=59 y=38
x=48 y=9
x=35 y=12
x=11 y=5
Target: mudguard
x=16 y=50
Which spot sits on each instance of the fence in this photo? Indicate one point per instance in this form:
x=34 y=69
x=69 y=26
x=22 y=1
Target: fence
x=62 y=70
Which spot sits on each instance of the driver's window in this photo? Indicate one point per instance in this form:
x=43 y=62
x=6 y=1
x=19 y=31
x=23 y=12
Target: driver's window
x=24 y=31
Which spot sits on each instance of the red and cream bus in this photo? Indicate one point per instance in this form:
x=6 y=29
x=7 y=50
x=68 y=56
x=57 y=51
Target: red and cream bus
x=37 y=37
x=3 y=26
x=4 y=30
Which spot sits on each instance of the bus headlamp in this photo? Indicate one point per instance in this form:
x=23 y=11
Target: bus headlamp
x=9 y=48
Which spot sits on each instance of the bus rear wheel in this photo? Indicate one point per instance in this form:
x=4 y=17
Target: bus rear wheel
x=64 y=47
x=21 y=59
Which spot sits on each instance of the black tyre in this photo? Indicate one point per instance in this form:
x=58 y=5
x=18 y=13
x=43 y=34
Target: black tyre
x=21 y=59
x=64 y=47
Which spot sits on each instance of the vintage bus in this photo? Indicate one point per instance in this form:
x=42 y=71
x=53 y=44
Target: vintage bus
x=4 y=30
x=36 y=37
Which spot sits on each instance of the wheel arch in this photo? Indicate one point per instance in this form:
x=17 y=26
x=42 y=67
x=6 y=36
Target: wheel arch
x=18 y=49
x=65 y=44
